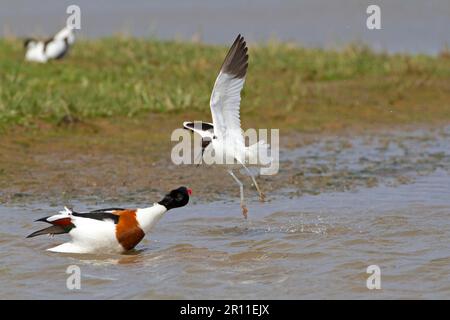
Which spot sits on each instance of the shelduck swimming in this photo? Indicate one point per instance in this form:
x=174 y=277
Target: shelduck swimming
x=53 y=48
x=113 y=230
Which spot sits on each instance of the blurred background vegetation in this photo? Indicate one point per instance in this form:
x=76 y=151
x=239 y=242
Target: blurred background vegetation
x=301 y=88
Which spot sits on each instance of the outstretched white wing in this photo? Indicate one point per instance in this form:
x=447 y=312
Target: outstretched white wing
x=226 y=95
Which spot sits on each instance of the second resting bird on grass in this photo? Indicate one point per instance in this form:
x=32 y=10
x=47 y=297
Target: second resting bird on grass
x=224 y=136
x=53 y=48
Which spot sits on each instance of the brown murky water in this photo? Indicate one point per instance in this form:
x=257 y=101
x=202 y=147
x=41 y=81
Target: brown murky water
x=347 y=203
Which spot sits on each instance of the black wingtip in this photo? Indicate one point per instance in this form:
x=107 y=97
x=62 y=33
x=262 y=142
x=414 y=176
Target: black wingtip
x=236 y=60
x=44 y=219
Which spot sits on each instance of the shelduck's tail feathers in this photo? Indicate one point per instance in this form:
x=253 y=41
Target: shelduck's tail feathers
x=63 y=214
x=66 y=211
x=50 y=230
x=44 y=219
x=61 y=223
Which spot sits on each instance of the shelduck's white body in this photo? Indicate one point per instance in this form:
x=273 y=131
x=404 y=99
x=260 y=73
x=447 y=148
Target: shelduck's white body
x=91 y=235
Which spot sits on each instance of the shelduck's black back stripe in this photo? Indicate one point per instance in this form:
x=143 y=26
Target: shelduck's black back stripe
x=107 y=210
x=101 y=214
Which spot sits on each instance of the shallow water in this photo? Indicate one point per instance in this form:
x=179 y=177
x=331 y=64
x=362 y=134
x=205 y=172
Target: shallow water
x=294 y=246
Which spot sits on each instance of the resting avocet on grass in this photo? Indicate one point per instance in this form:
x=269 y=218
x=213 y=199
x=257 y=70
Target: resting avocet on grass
x=53 y=48
x=112 y=230
x=224 y=135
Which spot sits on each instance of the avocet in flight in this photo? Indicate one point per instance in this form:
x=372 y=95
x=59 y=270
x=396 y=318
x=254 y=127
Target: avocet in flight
x=224 y=135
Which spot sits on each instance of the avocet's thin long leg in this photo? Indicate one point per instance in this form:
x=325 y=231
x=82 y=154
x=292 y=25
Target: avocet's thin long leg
x=200 y=158
x=261 y=195
x=241 y=187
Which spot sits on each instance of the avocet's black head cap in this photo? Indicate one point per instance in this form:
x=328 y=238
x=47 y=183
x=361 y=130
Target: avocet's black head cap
x=176 y=198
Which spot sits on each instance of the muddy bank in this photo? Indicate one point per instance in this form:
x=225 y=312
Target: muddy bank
x=129 y=161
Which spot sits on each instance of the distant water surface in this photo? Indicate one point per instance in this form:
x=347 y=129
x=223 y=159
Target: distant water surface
x=412 y=26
